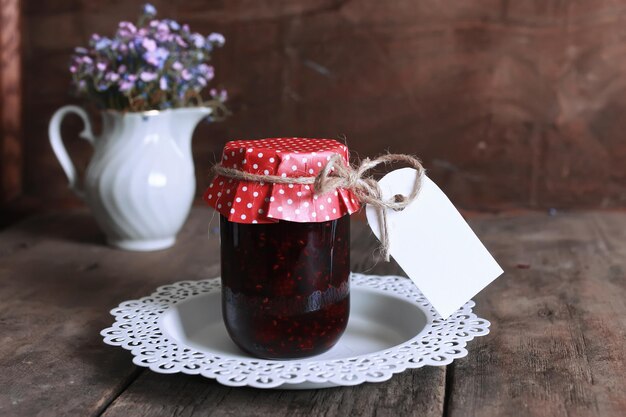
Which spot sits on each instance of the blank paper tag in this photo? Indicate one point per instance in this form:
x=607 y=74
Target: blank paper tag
x=433 y=244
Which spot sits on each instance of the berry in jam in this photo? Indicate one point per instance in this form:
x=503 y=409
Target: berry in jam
x=285 y=286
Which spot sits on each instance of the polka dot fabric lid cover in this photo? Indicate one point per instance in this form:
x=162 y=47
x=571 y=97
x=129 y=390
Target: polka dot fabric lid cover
x=262 y=202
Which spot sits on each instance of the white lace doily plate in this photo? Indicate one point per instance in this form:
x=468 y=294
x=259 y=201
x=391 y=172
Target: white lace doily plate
x=392 y=328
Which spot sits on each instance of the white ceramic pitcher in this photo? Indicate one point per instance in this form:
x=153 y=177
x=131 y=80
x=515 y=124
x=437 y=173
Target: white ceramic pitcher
x=140 y=182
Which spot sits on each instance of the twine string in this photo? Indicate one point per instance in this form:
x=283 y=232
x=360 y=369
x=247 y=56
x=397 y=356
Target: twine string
x=337 y=175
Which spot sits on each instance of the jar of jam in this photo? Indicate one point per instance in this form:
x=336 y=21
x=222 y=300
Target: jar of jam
x=285 y=251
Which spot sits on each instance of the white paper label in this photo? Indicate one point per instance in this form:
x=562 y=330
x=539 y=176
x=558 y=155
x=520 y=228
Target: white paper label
x=433 y=244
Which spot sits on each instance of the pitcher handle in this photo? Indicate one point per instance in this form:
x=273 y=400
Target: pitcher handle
x=54 y=131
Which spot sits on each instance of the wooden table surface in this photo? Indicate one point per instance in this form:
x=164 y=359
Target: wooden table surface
x=556 y=348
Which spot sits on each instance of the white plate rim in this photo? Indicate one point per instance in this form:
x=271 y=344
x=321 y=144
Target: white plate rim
x=138 y=328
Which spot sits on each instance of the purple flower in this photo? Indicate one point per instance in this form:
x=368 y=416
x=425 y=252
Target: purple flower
x=216 y=38
x=149 y=44
x=157 y=57
x=149 y=10
x=162 y=37
x=112 y=76
x=198 y=40
x=221 y=95
x=180 y=41
x=125 y=85
x=207 y=71
x=148 y=76
x=163 y=27
x=127 y=70
x=126 y=29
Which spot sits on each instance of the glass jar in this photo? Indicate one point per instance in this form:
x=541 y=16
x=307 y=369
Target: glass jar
x=285 y=286
x=285 y=251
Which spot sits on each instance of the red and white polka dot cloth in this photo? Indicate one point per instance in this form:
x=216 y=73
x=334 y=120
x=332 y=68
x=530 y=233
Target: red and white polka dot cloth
x=259 y=202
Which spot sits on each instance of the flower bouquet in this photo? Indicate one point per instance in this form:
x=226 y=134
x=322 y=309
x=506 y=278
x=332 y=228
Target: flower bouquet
x=147 y=80
x=151 y=65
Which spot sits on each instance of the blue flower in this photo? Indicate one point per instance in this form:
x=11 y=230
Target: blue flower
x=206 y=71
x=216 y=38
x=149 y=10
x=173 y=24
x=102 y=43
x=102 y=86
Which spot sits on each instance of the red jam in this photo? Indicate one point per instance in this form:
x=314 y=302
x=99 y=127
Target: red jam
x=285 y=286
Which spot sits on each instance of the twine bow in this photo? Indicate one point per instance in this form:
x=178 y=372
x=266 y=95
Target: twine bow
x=338 y=175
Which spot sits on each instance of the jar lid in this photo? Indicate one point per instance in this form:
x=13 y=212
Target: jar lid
x=243 y=201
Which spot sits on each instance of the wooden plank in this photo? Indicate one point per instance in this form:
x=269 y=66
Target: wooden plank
x=556 y=347
x=413 y=393
x=57 y=283
x=10 y=100
x=559 y=328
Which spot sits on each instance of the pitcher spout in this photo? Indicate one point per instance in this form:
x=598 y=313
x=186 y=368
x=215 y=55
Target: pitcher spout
x=184 y=122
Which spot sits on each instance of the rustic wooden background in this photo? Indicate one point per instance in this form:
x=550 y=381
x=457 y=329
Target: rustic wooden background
x=509 y=104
